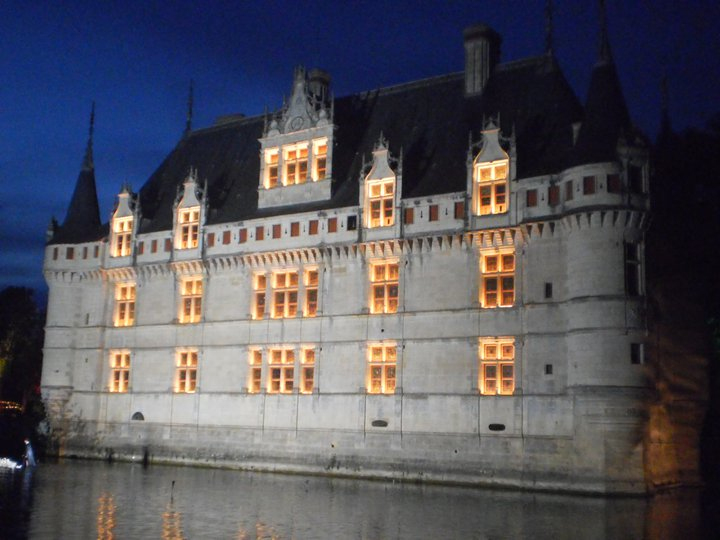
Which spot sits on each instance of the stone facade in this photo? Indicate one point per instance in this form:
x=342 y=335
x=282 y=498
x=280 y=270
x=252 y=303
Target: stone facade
x=359 y=315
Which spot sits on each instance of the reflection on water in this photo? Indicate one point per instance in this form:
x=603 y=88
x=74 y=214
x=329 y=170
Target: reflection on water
x=108 y=501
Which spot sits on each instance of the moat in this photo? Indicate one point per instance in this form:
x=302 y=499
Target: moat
x=87 y=499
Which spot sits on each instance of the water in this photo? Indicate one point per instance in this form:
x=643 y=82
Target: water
x=84 y=499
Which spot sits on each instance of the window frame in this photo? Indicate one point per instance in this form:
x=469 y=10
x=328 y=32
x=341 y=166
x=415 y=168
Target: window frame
x=186 y=370
x=385 y=283
x=385 y=213
x=312 y=288
x=125 y=297
x=188 y=227
x=498 y=353
x=122 y=228
x=382 y=368
x=191 y=299
x=498 y=185
x=255 y=361
x=119 y=380
x=307 y=370
x=281 y=362
x=259 y=295
x=497 y=271
x=286 y=288
x=298 y=162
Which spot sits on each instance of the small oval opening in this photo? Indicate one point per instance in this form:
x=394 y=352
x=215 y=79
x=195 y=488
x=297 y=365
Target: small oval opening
x=496 y=427
x=138 y=416
x=379 y=423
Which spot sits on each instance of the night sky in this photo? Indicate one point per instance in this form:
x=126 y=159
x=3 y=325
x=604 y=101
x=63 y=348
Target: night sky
x=136 y=58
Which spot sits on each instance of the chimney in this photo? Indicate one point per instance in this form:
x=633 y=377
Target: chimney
x=319 y=84
x=482 y=54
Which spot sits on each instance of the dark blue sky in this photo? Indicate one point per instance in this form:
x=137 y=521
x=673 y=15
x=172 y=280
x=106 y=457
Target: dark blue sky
x=135 y=59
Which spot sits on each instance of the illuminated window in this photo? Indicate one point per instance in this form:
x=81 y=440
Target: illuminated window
x=319 y=159
x=381 y=201
x=491 y=187
x=281 y=363
x=189 y=225
x=122 y=237
x=384 y=278
x=295 y=162
x=271 y=168
x=497 y=366
x=119 y=371
x=259 y=288
x=632 y=269
x=285 y=294
x=124 y=304
x=191 y=290
x=498 y=279
x=382 y=362
x=255 y=376
x=311 y=293
x=307 y=379
x=186 y=372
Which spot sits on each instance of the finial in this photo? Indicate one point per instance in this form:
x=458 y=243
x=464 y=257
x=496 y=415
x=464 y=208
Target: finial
x=188 y=121
x=605 y=55
x=88 y=161
x=549 y=27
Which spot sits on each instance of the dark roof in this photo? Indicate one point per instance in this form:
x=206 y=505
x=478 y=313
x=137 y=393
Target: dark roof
x=606 y=116
x=430 y=120
x=82 y=223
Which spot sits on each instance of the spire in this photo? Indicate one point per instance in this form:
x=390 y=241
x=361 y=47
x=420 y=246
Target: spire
x=606 y=116
x=188 y=121
x=605 y=56
x=82 y=222
x=549 y=27
x=88 y=160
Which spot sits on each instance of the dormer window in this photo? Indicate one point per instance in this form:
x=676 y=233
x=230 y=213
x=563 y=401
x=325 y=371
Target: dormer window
x=380 y=189
x=381 y=200
x=296 y=146
x=491 y=187
x=492 y=170
x=121 y=224
x=295 y=160
x=271 y=168
x=122 y=237
x=319 y=159
x=188 y=227
x=189 y=214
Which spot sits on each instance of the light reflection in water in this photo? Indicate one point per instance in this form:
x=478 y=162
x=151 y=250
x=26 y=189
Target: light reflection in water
x=178 y=502
x=106 y=517
x=172 y=524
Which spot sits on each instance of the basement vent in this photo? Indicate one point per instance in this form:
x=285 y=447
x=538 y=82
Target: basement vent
x=138 y=416
x=379 y=423
x=496 y=427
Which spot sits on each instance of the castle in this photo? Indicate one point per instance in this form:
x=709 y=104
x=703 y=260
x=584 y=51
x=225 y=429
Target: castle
x=437 y=281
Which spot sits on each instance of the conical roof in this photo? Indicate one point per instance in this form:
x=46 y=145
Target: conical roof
x=82 y=222
x=606 y=115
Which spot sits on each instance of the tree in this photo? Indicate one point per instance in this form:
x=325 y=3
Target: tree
x=21 y=341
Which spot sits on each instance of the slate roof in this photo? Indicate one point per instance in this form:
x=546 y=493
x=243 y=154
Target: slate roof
x=82 y=222
x=430 y=120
